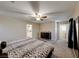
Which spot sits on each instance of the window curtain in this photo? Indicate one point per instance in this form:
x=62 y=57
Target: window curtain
x=70 y=41
x=72 y=35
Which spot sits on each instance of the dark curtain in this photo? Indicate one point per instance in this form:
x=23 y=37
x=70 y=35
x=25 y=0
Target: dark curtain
x=75 y=35
x=72 y=35
x=70 y=41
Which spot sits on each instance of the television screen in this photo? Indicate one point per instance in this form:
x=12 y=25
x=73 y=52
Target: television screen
x=46 y=35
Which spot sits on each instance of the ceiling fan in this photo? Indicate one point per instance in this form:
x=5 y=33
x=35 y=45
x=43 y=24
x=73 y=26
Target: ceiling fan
x=39 y=17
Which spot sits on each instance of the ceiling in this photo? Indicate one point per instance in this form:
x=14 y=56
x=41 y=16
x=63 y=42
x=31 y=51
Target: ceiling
x=54 y=10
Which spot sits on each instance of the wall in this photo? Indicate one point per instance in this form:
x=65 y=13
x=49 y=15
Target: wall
x=76 y=12
x=14 y=29
x=36 y=28
x=56 y=30
x=48 y=27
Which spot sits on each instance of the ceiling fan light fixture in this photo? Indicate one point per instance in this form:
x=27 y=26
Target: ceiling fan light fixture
x=39 y=14
x=38 y=19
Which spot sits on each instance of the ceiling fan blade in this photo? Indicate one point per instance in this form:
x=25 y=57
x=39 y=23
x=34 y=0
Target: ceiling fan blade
x=43 y=16
x=56 y=12
x=41 y=19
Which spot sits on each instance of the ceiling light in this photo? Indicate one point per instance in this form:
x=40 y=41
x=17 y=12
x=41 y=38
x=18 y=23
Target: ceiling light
x=37 y=18
x=39 y=14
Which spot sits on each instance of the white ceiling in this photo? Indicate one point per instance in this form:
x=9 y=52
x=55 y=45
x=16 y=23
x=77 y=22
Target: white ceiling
x=25 y=9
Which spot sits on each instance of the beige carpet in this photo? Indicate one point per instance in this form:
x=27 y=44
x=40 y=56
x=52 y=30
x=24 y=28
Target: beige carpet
x=61 y=50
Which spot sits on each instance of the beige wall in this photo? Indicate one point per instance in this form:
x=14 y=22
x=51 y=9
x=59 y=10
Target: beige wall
x=36 y=29
x=48 y=27
x=14 y=29
x=76 y=13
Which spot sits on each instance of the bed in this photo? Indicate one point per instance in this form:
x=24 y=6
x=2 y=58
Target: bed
x=29 y=48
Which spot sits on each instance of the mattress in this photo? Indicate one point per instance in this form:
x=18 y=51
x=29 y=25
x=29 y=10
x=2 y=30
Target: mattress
x=31 y=48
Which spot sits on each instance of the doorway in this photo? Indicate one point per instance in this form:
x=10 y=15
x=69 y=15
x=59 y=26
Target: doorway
x=63 y=31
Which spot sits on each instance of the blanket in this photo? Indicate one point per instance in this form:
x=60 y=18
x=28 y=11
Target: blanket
x=31 y=48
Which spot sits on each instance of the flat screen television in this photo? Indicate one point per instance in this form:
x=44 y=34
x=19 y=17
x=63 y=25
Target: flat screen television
x=46 y=35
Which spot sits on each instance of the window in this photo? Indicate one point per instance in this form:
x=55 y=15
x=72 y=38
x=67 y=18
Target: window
x=29 y=31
